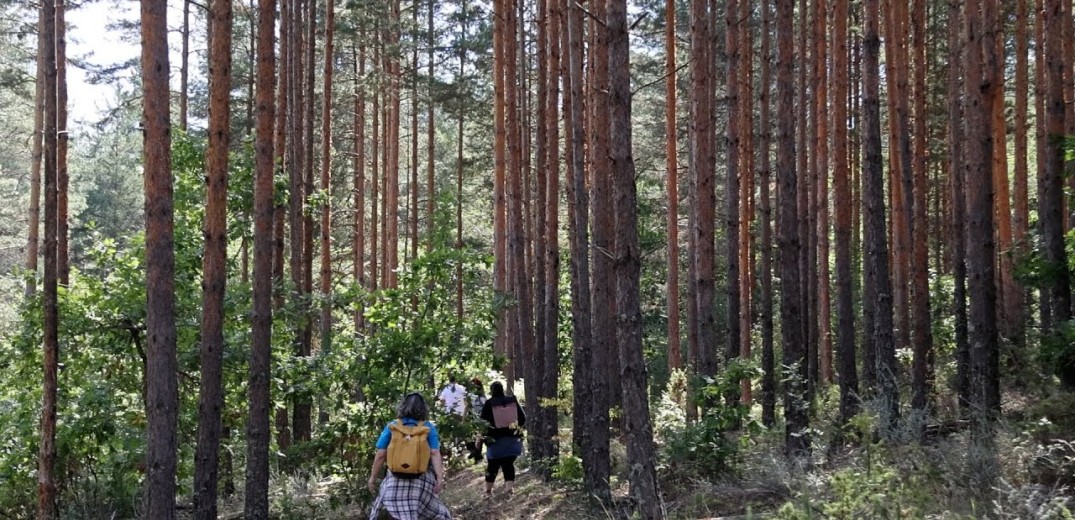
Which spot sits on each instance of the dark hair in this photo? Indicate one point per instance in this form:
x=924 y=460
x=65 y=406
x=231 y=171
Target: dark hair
x=413 y=406
x=451 y=378
x=496 y=389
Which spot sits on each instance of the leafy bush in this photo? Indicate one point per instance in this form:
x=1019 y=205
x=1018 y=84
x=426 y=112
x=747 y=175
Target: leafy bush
x=711 y=445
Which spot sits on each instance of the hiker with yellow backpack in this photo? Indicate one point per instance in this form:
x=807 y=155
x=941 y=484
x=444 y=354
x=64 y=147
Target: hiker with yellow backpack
x=407 y=446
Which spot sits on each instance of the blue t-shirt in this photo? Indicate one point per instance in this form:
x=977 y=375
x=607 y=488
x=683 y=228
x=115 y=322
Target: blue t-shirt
x=386 y=435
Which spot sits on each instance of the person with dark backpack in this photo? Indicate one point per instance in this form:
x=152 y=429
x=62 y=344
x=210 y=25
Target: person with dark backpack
x=503 y=436
x=408 y=446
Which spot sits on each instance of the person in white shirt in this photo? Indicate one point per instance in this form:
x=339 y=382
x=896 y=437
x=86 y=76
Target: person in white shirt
x=453 y=397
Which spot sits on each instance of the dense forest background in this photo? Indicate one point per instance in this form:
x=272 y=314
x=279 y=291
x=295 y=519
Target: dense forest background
x=795 y=258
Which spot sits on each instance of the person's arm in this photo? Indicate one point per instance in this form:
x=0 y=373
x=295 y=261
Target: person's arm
x=378 y=464
x=487 y=411
x=438 y=468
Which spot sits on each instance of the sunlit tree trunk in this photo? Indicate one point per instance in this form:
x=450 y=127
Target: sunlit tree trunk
x=459 y=167
x=431 y=133
x=633 y=377
x=499 y=175
x=33 y=240
x=542 y=164
x=391 y=215
x=257 y=426
x=214 y=269
x=602 y=261
x=411 y=252
x=47 y=508
x=162 y=398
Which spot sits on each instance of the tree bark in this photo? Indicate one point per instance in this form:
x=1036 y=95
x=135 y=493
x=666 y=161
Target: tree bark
x=955 y=172
x=633 y=377
x=550 y=347
x=796 y=438
x=214 y=258
x=33 y=239
x=47 y=508
x=326 y=184
x=603 y=280
x=732 y=195
x=63 y=260
x=360 y=177
x=704 y=198
x=768 y=362
x=256 y=505
x=879 y=346
x=162 y=398
x=675 y=356
x=184 y=69
x=821 y=120
x=981 y=270
x=843 y=202
x=922 y=334
x=284 y=158
x=578 y=231
x=1052 y=203
x=747 y=201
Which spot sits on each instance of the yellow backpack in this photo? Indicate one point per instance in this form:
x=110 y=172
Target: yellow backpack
x=408 y=451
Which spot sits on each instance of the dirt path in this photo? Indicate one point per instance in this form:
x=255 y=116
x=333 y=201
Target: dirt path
x=464 y=494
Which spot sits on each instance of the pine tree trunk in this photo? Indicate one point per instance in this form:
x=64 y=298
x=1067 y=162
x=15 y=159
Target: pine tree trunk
x=459 y=168
x=703 y=195
x=578 y=231
x=768 y=362
x=843 y=203
x=746 y=190
x=796 y=438
x=981 y=272
x=628 y=266
x=184 y=67
x=675 y=356
x=283 y=157
x=550 y=348
x=734 y=171
x=1020 y=194
x=922 y=336
x=257 y=426
x=499 y=174
x=360 y=176
x=603 y=281
x=391 y=215
x=431 y=134
x=821 y=111
x=879 y=346
x=956 y=172
x=63 y=255
x=326 y=186
x=47 y=508
x=543 y=160
x=411 y=252
x=214 y=258
x=1051 y=199
x=162 y=398
x=33 y=239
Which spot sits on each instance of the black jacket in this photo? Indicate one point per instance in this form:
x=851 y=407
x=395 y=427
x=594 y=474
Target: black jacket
x=487 y=415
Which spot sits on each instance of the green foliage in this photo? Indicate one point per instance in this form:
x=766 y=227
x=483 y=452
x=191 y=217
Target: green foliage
x=710 y=446
x=568 y=469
